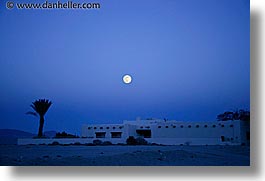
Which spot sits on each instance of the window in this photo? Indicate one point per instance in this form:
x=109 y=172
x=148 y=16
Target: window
x=121 y=127
x=181 y=126
x=214 y=126
x=189 y=126
x=159 y=126
x=116 y=134
x=205 y=126
x=89 y=128
x=166 y=126
x=95 y=127
x=231 y=126
x=144 y=133
x=147 y=127
x=222 y=125
x=101 y=128
x=174 y=126
x=197 y=126
x=222 y=138
x=100 y=134
x=113 y=127
x=107 y=127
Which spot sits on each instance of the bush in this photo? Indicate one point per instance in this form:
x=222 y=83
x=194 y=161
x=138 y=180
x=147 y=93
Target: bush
x=131 y=141
x=65 y=135
x=97 y=142
x=55 y=143
x=121 y=144
x=106 y=143
x=154 y=144
x=141 y=141
x=138 y=141
x=187 y=143
x=77 y=143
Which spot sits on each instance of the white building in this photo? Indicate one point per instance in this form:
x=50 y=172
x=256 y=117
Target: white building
x=232 y=132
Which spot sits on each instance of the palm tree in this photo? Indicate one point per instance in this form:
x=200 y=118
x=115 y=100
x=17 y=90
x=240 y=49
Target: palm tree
x=40 y=107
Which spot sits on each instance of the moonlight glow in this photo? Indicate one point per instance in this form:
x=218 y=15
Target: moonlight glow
x=127 y=79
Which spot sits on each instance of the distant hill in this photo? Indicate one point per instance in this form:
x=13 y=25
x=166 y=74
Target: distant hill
x=10 y=136
x=15 y=133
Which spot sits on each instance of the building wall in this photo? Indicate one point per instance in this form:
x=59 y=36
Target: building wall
x=28 y=141
x=162 y=132
x=90 y=131
x=175 y=132
x=245 y=132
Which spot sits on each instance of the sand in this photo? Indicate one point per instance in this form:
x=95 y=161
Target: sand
x=38 y=155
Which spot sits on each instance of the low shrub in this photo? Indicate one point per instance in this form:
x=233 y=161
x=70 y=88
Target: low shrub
x=131 y=141
x=154 y=144
x=65 y=135
x=138 y=141
x=106 y=143
x=54 y=143
x=97 y=142
x=141 y=141
x=77 y=143
x=121 y=144
x=187 y=143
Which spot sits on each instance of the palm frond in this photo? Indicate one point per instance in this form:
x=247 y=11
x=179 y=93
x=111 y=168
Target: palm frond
x=31 y=113
x=41 y=106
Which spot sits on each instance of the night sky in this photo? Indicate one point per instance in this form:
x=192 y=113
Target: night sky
x=189 y=60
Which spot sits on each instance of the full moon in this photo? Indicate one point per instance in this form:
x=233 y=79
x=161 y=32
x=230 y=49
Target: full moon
x=127 y=79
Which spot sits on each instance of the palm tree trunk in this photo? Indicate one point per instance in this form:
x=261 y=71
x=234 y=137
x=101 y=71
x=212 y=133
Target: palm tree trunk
x=41 y=126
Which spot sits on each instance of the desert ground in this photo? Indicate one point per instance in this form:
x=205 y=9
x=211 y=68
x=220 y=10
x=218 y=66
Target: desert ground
x=118 y=155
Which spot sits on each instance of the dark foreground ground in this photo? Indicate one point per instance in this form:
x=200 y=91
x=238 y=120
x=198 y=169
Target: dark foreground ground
x=34 y=155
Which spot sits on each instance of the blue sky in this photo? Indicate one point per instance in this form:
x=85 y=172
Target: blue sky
x=189 y=61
